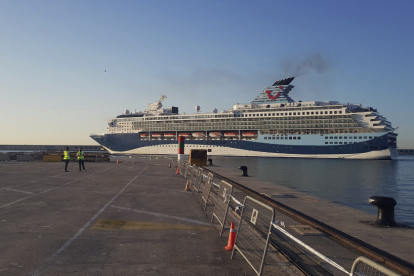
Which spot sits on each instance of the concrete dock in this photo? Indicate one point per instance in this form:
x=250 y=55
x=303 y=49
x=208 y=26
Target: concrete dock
x=397 y=241
x=135 y=219
x=126 y=219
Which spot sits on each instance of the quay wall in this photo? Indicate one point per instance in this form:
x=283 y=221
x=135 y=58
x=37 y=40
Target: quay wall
x=389 y=246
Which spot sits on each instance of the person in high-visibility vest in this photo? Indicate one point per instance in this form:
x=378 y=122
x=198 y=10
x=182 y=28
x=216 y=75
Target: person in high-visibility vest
x=81 y=159
x=66 y=158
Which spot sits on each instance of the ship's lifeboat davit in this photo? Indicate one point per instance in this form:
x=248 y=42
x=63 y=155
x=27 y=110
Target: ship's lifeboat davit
x=215 y=134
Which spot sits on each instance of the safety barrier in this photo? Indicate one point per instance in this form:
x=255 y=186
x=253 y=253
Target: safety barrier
x=24 y=157
x=206 y=191
x=256 y=223
x=194 y=175
x=365 y=267
x=222 y=203
x=197 y=181
x=186 y=170
x=4 y=157
x=190 y=172
x=172 y=163
x=253 y=233
x=197 y=188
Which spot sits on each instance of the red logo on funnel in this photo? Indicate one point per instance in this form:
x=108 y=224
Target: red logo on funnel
x=270 y=96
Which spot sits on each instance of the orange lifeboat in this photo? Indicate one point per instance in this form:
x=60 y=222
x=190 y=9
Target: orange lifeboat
x=157 y=135
x=215 y=134
x=169 y=135
x=230 y=134
x=198 y=134
x=185 y=134
x=144 y=135
x=249 y=134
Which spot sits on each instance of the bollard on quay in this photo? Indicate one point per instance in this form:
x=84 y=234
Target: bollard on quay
x=244 y=170
x=385 y=207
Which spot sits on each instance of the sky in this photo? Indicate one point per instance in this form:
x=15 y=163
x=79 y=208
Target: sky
x=68 y=67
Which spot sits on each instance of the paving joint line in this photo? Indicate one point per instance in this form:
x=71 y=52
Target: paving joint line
x=83 y=228
x=11 y=203
x=162 y=215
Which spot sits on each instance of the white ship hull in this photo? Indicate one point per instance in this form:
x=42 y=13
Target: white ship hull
x=373 y=155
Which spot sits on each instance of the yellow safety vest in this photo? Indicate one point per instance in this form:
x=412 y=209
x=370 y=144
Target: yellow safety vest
x=66 y=155
x=81 y=155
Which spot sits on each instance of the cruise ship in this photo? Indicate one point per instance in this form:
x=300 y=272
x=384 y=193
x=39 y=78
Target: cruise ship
x=272 y=125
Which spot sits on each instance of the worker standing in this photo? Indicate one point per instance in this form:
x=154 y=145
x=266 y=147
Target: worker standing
x=81 y=159
x=66 y=158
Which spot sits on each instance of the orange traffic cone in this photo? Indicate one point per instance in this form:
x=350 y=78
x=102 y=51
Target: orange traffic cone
x=187 y=186
x=232 y=238
x=117 y=162
x=178 y=171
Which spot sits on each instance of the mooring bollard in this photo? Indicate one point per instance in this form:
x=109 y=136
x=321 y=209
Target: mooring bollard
x=385 y=207
x=244 y=170
x=210 y=161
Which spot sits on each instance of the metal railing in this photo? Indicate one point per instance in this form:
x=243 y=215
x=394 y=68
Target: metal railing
x=253 y=233
x=221 y=205
x=365 y=267
x=206 y=190
x=186 y=170
x=194 y=174
x=172 y=163
x=195 y=186
x=256 y=223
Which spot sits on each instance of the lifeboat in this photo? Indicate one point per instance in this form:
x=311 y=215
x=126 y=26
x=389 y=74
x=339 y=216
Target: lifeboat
x=215 y=134
x=198 y=134
x=144 y=135
x=169 y=135
x=157 y=135
x=185 y=134
x=230 y=134
x=249 y=134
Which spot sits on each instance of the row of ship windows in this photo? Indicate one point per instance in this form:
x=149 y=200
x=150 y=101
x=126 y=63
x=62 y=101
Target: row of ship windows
x=277 y=122
x=350 y=137
x=289 y=113
x=306 y=118
x=276 y=147
x=281 y=138
x=340 y=143
x=231 y=115
x=197 y=118
x=326 y=137
x=298 y=138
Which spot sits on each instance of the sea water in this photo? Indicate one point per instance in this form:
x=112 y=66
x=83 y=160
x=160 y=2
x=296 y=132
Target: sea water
x=347 y=182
